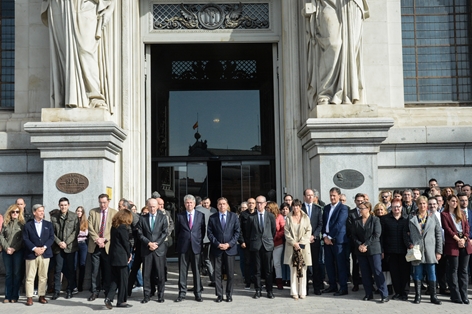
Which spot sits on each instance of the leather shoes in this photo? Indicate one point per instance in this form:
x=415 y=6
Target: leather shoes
x=355 y=288
x=124 y=304
x=93 y=296
x=368 y=297
x=257 y=295
x=397 y=296
x=160 y=298
x=42 y=300
x=457 y=301
x=229 y=298
x=384 y=299
x=69 y=295
x=198 y=299
x=219 y=299
x=29 y=301
x=340 y=293
x=108 y=304
x=317 y=292
x=55 y=296
x=145 y=300
x=179 y=299
x=329 y=290
x=270 y=295
x=466 y=301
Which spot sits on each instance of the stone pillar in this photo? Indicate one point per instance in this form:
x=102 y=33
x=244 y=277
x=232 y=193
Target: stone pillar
x=332 y=145
x=69 y=146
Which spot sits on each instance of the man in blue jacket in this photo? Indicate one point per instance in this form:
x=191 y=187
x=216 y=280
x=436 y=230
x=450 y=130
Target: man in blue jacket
x=38 y=236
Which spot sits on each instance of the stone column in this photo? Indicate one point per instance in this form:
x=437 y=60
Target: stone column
x=332 y=145
x=87 y=148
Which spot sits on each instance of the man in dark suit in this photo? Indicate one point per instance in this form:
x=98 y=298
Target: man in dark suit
x=223 y=233
x=152 y=230
x=315 y=212
x=38 y=237
x=335 y=242
x=353 y=215
x=244 y=219
x=261 y=244
x=189 y=234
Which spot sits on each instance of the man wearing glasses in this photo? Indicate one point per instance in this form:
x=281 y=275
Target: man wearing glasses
x=394 y=248
x=261 y=244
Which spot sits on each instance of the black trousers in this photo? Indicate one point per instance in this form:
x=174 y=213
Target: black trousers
x=223 y=261
x=186 y=260
x=457 y=275
x=441 y=272
x=154 y=272
x=119 y=280
x=134 y=271
x=263 y=260
x=100 y=265
x=400 y=273
x=248 y=266
x=313 y=271
x=65 y=263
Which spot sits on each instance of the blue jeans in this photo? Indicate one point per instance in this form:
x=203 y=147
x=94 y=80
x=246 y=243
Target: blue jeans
x=430 y=271
x=139 y=275
x=14 y=269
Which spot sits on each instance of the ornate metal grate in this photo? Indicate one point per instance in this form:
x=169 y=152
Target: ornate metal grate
x=214 y=69
x=211 y=16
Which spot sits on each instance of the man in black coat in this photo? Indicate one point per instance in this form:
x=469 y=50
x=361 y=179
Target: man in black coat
x=189 y=234
x=315 y=212
x=152 y=230
x=223 y=233
x=261 y=244
x=353 y=215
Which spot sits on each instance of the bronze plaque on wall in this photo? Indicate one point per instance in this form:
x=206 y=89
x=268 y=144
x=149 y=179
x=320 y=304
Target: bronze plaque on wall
x=348 y=179
x=72 y=183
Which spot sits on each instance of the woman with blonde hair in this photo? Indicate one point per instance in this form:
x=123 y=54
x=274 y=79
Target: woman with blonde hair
x=82 y=251
x=297 y=255
x=11 y=240
x=273 y=208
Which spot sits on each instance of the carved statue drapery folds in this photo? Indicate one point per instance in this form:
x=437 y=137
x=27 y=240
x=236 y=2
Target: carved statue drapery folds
x=334 y=41
x=79 y=34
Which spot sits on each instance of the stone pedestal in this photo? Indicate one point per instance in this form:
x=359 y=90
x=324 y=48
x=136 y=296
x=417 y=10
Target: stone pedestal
x=346 y=111
x=332 y=145
x=87 y=148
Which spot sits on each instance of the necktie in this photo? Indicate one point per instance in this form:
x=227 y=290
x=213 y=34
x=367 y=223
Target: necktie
x=102 y=225
x=261 y=221
x=223 y=221
x=190 y=222
x=309 y=210
x=152 y=222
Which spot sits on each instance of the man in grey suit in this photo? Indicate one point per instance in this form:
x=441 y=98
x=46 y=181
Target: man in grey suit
x=152 y=230
x=261 y=244
x=205 y=258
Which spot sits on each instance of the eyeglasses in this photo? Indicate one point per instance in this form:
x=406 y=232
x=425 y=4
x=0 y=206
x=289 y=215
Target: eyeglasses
x=385 y=196
x=15 y=212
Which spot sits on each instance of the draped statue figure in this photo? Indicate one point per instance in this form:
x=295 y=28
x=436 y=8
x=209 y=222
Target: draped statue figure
x=334 y=41
x=80 y=52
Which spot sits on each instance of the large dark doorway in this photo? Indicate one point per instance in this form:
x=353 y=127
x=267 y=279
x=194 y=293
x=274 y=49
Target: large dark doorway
x=212 y=122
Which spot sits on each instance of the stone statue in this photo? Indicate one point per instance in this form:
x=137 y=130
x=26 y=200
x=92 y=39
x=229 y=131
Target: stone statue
x=334 y=40
x=80 y=52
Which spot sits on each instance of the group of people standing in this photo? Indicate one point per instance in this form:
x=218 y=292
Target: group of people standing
x=296 y=243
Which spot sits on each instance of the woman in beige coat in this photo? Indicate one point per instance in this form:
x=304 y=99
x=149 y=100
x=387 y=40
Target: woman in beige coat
x=297 y=255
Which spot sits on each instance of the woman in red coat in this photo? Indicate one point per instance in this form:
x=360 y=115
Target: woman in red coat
x=273 y=208
x=456 y=248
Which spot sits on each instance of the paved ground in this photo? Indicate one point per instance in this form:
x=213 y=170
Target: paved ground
x=242 y=303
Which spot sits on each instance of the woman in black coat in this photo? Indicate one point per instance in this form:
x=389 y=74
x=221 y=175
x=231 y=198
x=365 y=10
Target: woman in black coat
x=120 y=256
x=366 y=231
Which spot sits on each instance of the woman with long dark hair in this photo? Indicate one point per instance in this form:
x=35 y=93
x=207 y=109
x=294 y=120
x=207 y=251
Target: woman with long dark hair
x=457 y=248
x=82 y=251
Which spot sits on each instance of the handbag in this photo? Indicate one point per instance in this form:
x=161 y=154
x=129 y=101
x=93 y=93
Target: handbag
x=413 y=254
